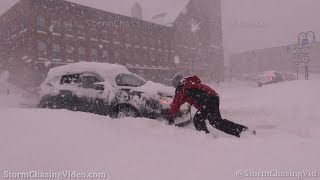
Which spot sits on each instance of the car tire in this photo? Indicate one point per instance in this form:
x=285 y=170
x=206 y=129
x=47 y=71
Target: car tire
x=260 y=84
x=126 y=111
x=49 y=104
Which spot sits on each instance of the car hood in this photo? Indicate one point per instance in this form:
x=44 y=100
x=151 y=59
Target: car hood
x=153 y=88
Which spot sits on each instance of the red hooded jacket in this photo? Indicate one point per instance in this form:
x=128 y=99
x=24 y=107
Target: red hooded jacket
x=193 y=92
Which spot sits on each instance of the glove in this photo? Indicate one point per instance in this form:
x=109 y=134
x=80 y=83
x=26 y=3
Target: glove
x=171 y=121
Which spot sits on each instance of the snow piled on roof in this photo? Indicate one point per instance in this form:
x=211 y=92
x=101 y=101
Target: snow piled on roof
x=105 y=70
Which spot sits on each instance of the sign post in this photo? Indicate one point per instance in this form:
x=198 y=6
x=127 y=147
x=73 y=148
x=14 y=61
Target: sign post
x=297 y=72
x=307 y=71
x=301 y=52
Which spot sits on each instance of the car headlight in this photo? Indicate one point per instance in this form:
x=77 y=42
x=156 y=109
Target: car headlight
x=164 y=102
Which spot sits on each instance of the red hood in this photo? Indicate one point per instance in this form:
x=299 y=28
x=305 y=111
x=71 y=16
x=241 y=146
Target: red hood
x=193 y=80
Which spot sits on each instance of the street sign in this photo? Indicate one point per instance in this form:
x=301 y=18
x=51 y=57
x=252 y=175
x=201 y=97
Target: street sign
x=305 y=41
x=305 y=50
x=305 y=59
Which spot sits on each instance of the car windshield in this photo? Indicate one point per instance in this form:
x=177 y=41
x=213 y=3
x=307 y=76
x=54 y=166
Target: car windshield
x=129 y=80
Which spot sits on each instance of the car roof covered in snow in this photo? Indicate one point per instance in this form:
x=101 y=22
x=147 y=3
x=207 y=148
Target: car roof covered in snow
x=105 y=70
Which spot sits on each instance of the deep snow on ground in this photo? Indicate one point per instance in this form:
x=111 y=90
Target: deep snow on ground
x=285 y=115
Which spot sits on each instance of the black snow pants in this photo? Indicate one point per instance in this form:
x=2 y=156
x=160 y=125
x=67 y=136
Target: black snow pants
x=212 y=114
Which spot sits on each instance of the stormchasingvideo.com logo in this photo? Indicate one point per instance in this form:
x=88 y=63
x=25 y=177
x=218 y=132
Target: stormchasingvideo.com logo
x=53 y=175
x=276 y=173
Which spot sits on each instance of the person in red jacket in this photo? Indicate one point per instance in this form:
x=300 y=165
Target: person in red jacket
x=206 y=100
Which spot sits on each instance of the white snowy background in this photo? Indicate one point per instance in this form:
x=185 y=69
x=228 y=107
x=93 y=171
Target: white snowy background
x=285 y=115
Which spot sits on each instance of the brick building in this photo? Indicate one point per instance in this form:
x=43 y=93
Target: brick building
x=36 y=35
x=276 y=58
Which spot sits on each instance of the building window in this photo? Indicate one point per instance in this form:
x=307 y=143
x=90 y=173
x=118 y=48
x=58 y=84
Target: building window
x=166 y=57
x=105 y=55
x=127 y=38
x=81 y=31
x=145 y=56
x=116 y=36
x=94 y=54
x=116 y=54
x=70 y=49
x=42 y=49
x=56 y=27
x=41 y=22
x=136 y=56
x=165 y=45
x=170 y=44
x=56 y=51
x=68 y=28
x=152 y=43
x=159 y=43
x=144 y=41
x=56 y=48
x=70 y=52
x=82 y=53
x=152 y=56
x=127 y=54
x=136 y=39
x=105 y=35
x=94 y=34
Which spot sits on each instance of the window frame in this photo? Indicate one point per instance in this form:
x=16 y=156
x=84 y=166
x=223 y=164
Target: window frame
x=96 y=56
x=56 y=52
x=41 y=22
x=42 y=50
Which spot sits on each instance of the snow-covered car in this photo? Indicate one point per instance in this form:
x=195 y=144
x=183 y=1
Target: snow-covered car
x=269 y=77
x=108 y=89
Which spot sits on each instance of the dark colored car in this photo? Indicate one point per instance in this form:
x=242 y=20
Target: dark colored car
x=107 y=89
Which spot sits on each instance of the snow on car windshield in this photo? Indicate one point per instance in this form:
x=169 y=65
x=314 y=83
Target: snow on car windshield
x=129 y=80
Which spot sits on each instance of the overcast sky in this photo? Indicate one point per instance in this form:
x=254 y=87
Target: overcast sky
x=247 y=24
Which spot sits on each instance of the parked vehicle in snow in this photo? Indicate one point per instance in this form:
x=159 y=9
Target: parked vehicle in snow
x=107 y=89
x=269 y=77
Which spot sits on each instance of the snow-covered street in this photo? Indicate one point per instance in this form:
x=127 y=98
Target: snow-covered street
x=285 y=115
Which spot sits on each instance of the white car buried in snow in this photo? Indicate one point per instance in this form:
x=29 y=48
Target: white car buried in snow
x=108 y=89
